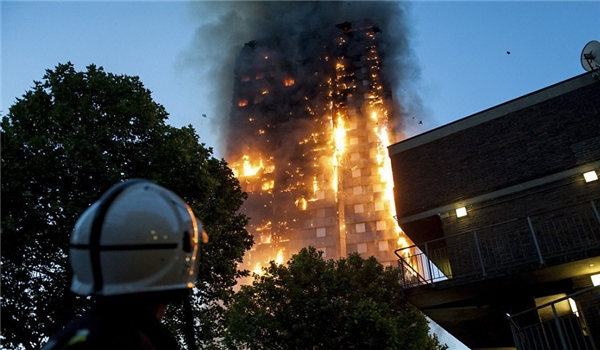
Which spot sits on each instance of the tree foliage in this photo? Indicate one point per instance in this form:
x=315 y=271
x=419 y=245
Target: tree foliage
x=64 y=143
x=353 y=303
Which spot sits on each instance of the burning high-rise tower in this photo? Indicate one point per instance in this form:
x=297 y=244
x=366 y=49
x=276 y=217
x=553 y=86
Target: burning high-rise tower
x=307 y=139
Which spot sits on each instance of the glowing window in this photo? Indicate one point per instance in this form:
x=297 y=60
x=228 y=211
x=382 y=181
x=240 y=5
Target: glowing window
x=354 y=140
x=377 y=188
x=381 y=225
x=354 y=156
x=357 y=190
x=301 y=203
x=320 y=194
x=268 y=185
x=460 y=212
x=359 y=208
x=321 y=232
x=378 y=206
x=356 y=173
x=288 y=81
x=361 y=248
x=360 y=228
x=383 y=246
x=242 y=103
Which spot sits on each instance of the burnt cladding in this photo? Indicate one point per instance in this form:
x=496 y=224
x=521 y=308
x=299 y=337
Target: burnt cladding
x=292 y=98
x=272 y=87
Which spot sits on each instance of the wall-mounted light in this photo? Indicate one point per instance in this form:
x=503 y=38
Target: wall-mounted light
x=460 y=212
x=590 y=176
x=573 y=306
x=596 y=279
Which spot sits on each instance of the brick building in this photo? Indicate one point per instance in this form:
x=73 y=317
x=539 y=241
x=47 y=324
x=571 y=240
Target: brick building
x=506 y=228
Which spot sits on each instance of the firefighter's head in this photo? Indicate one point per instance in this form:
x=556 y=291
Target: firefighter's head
x=137 y=238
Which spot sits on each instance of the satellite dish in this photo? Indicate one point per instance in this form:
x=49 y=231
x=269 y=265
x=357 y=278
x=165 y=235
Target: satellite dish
x=590 y=56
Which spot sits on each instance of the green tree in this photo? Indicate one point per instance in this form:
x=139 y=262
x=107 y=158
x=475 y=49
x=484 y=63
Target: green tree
x=311 y=303
x=64 y=143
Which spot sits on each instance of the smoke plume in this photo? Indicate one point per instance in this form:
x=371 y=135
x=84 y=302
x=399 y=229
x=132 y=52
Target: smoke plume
x=219 y=39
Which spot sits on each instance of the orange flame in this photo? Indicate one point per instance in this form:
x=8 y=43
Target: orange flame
x=329 y=157
x=246 y=168
x=279 y=258
x=268 y=185
x=339 y=140
x=301 y=203
x=385 y=171
x=258 y=269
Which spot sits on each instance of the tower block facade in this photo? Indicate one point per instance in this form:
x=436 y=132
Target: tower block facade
x=307 y=138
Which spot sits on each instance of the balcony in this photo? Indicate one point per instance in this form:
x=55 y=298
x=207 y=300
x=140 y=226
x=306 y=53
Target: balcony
x=560 y=324
x=518 y=245
x=470 y=282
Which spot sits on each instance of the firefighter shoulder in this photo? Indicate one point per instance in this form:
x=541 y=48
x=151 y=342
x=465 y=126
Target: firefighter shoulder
x=132 y=252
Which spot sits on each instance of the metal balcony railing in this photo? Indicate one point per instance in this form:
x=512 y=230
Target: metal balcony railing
x=563 y=324
x=516 y=245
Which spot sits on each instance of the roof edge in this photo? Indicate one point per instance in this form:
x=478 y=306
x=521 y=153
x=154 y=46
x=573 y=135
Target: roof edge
x=498 y=111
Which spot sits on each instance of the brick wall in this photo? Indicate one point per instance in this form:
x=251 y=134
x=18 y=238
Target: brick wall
x=523 y=145
x=532 y=226
x=538 y=140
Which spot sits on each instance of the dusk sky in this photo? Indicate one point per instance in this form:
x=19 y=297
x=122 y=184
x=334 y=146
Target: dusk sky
x=467 y=56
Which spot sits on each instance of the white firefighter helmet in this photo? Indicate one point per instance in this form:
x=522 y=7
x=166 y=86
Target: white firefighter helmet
x=138 y=237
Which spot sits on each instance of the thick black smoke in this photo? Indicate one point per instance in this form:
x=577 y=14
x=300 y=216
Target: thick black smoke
x=220 y=37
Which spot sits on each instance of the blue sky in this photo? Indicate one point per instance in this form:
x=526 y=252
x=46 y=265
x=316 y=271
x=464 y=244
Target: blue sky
x=461 y=50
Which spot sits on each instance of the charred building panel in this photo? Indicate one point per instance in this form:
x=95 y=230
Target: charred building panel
x=307 y=138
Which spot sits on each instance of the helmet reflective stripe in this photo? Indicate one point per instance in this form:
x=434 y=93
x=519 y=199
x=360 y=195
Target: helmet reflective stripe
x=96 y=232
x=127 y=247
